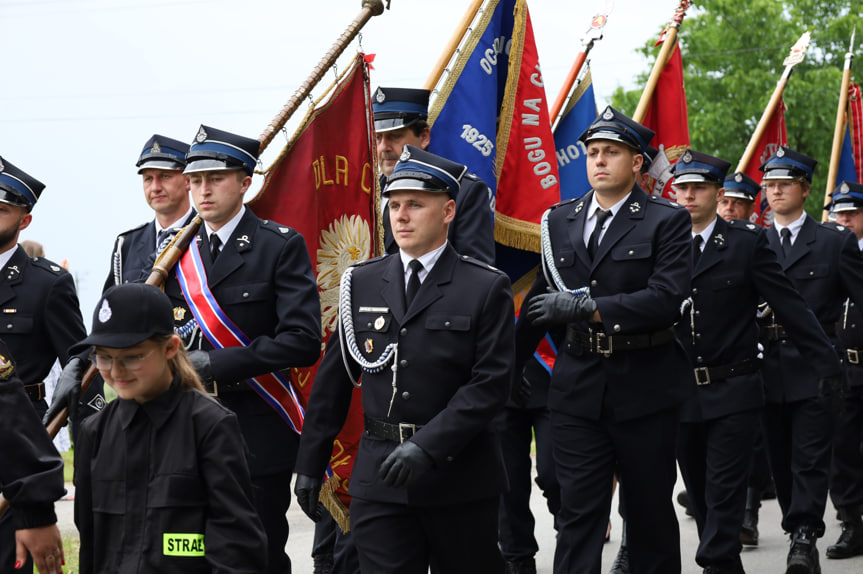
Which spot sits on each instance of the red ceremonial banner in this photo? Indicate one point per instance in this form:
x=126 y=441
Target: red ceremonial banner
x=527 y=177
x=774 y=137
x=667 y=116
x=855 y=119
x=323 y=185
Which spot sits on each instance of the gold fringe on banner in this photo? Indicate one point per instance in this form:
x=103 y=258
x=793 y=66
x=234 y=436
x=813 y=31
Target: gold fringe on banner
x=516 y=233
x=334 y=505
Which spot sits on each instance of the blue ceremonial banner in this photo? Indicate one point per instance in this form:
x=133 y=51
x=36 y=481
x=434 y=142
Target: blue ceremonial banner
x=847 y=170
x=464 y=114
x=579 y=113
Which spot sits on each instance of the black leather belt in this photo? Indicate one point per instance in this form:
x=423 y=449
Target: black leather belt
x=777 y=332
x=853 y=356
x=398 y=432
x=35 y=392
x=216 y=388
x=601 y=344
x=706 y=375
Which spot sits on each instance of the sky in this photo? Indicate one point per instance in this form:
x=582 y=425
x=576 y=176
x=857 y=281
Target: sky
x=87 y=82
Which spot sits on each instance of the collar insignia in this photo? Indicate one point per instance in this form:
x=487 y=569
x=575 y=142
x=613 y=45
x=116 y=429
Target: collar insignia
x=104 y=311
x=12 y=272
x=719 y=239
x=243 y=241
x=579 y=207
x=634 y=207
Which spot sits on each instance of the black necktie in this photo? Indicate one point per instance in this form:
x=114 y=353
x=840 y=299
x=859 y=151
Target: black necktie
x=215 y=246
x=696 y=249
x=593 y=242
x=786 y=241
x=413 y=282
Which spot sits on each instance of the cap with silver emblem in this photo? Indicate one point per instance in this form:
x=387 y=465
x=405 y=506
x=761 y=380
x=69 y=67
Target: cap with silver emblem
x=17 y=187
x=217 y=150
x=161 y=152
x=741 y=186
x=786 y=163
x=419 y=170
x=396 y=108
x=614 y=126
x=695 y=166
x=848 y=196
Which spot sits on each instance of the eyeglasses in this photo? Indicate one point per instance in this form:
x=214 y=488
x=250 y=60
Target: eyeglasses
x=127 y=362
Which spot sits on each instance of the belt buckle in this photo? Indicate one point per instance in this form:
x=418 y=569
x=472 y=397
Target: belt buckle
x=406 y=427
x=853 y=356
x=702 y=376
x=601 y=344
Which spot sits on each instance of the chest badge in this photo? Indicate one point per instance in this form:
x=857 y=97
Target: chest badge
x=379 y=323
x=369 y=346
x=179 y=313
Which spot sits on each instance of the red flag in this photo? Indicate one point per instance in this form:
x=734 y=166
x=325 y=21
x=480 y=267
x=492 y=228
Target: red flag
x=855 y=121
x=324 y=187
x=774 y=136
x=527 y=176
x=667 y=116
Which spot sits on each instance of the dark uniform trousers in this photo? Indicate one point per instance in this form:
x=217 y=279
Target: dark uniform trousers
x=455 y=360
x=471 y=231
x=718 y=425
x=846 y=471
x=41 y=320
x=519 y=426
x=263 y=282
x=31 y=470
x=620 y=411
x=826 y=267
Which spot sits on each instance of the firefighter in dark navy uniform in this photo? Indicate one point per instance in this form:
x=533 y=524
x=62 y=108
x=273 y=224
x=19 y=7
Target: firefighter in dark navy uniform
x=31 y=475
x=846 y=470
x=733 y=269
x=825 y=265
x=617 y=285
x=431 y=333
x=260 y=276
x=41 y=316
x=400 y=118
x=166 y=189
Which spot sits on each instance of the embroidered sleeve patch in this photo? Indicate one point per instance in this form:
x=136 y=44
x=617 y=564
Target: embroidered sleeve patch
x=182 y=544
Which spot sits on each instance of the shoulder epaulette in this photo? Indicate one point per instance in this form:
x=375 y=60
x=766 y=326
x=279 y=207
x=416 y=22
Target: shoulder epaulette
x=566 y=202
x=277 y=228
x=833 y=226
x=48 y=265
x=478 y=263
x=368 y=261
x=658 y=200
x=743 y=225
x=136 y=228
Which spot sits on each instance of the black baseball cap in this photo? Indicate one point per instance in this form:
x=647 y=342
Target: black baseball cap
x=128 y=314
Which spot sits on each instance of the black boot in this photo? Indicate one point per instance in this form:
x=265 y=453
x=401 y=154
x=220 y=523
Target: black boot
x=803 y=555
x=749 y=530
x=323 y=563
x=621 y=563
x=521 y=566
x=850 y=542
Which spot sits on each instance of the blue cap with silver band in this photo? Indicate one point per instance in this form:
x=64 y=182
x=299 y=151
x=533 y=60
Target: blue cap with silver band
x=614 y=126
x=741 y=186
x=217 y=150
x=695 y=166
x=161 y=152
x=419 y=170
x=848 y=196
x=17 y=187
x=788 y=164
x=396 y=108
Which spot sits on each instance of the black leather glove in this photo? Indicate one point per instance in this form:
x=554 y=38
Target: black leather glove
x=68 y=390
x=560 y=308
x=405 y=465
x=201 y=361
x=308 y=490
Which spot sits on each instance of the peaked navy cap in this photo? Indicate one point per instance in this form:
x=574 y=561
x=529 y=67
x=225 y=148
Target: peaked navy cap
x=741 y=186
x=848 y=196
x=217 y=150
x=614 y=126
x=17 y=187
x=419 y=170
x=396 y=108
x=695 y=166
x=786 y=163
x=161 y=152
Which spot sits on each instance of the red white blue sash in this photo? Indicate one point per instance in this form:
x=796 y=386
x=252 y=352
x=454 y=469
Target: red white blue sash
x=221 y=332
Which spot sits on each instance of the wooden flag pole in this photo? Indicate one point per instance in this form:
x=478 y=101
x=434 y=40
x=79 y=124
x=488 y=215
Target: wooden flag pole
x=594 y=33
x=370 y=8
x=452 y=45
x=839 y=129
x=669 y=41
x=798 y=52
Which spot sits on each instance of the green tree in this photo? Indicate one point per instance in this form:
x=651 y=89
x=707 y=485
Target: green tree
x=733 y=53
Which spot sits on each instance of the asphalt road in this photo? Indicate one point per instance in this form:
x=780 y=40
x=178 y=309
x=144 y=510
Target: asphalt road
x=767 y=558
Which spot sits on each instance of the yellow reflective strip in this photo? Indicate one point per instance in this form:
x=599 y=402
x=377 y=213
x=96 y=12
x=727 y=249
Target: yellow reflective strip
x=182 y=544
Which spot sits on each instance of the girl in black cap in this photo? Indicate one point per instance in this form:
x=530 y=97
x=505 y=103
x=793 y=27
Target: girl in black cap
x=162 y=482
